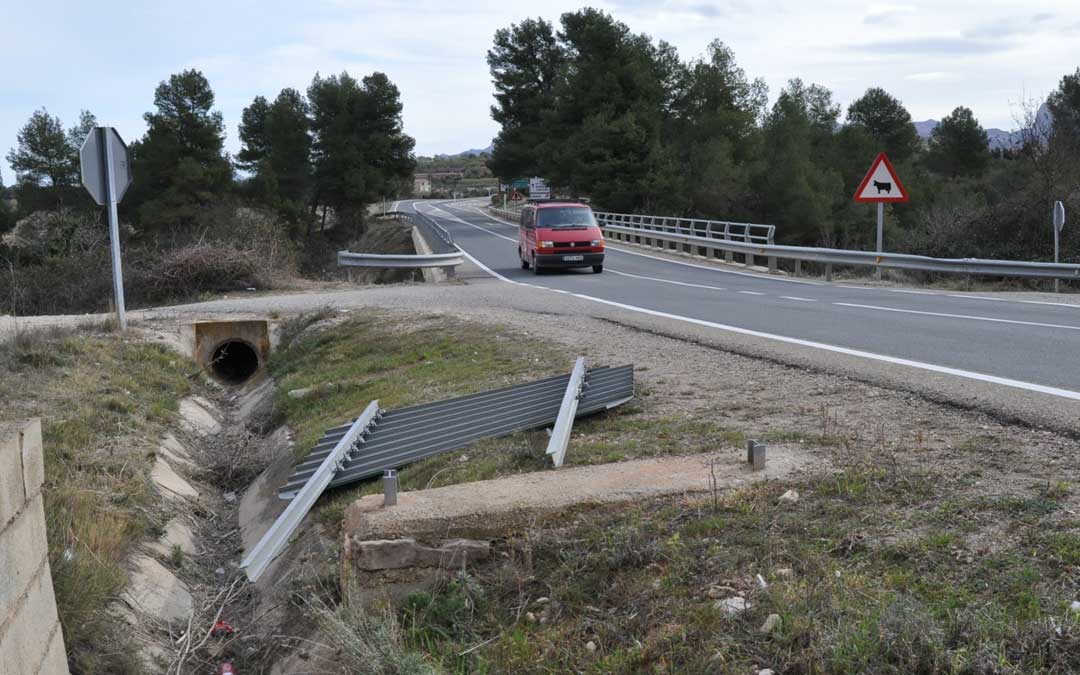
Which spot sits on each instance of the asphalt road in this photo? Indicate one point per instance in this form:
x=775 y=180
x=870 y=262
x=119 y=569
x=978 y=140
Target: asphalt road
x=1029 y=345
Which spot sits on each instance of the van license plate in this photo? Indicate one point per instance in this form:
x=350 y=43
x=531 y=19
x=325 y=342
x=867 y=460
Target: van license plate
x=573 y=258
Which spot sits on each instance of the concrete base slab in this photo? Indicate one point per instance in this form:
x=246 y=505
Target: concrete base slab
x=154 y=591
x=174 y=451
x=170 y=482
x=177 y=533
x=196 y=417
x=487 y=508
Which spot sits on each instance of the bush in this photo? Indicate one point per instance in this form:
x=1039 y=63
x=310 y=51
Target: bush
x=58 y=262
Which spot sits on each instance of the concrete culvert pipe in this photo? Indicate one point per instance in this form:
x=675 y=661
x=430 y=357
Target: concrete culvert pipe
x=234 y=362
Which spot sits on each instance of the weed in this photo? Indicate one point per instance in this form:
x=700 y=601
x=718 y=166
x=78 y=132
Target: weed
x=366 y=641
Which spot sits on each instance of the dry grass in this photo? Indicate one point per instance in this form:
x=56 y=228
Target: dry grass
x=103 y=401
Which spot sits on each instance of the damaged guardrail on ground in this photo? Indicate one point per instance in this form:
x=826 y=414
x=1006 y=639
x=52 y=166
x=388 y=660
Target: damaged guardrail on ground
x=271 y=544
x=380 y=440
x=445 y=253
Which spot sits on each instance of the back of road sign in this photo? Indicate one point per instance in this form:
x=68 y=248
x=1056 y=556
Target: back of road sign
x=92 y=164
x=881 y=183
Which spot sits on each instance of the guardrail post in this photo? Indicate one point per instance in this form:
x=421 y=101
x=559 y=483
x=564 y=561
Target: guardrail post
x=729 y=257
x=390 y=485
x=772 y=264
x=710 y=253
x=828 y=271
x=798 y=268
x=749 y=259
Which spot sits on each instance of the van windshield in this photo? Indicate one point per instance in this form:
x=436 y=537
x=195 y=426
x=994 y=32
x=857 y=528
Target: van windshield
x=570 y=216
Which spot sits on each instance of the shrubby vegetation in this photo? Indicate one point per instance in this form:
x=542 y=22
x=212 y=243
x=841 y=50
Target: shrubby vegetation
x=614 y=115
x=309 y=166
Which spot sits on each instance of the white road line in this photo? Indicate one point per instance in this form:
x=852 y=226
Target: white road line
x=920 y=365
x=1026 y=302
x=751 y=293
x=792 y=297
x=905 y=290
x=666 y=281
x=958 y=316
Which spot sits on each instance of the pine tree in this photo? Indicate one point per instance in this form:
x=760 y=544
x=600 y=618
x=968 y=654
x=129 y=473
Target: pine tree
x=959 y=145
x=887 y=121
x=179 y=166
x=43 y=156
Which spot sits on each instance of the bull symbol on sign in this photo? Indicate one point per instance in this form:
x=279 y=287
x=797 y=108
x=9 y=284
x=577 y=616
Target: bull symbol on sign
x=883 y=187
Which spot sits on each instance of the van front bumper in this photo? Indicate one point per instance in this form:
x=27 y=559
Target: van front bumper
x=568 y=260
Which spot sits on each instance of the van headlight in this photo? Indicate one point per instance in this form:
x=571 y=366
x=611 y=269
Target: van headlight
x=547 y=244
x=597 y=242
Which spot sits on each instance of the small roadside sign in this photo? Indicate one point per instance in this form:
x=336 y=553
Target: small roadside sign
x=92 y=164
x=1059 y=216
x=538 y=189
x=105 y=168
x=881 y=183
x=520 y=183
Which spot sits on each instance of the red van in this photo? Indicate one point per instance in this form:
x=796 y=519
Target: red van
x=559 y=235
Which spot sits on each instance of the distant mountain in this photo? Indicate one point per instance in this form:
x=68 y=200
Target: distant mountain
x=472 y=152
x=999 y=138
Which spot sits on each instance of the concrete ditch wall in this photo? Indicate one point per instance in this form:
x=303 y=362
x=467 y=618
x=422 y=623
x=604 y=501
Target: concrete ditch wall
x=31 y=642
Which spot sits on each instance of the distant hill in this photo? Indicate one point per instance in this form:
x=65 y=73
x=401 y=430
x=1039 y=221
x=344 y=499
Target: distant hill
x=471 y=152
x=999 y=138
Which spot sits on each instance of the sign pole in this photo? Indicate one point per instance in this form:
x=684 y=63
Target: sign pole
x=114 y=227
x=880 y=231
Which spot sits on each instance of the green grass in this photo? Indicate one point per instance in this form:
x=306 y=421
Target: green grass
x=881 y=583
x=103 y=400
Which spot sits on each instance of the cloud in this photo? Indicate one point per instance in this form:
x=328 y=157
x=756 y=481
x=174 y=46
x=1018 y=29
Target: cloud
x=935 y=46
x=885 y=14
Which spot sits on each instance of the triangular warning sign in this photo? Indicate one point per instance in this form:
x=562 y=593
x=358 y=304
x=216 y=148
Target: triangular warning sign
x=881 y=183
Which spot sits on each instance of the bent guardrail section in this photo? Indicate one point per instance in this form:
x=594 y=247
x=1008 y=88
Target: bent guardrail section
x=271 y=544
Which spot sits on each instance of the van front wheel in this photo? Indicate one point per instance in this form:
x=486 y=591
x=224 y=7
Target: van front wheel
x=524 y=262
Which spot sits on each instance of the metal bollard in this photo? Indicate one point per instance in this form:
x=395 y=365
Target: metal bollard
x=755 y=454
x=828 y=271
x=389 y=488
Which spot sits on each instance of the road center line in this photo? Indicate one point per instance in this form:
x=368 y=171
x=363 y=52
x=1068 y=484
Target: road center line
x=751 y=293
x=920 y=365
x=792 y=297
x=957 y=316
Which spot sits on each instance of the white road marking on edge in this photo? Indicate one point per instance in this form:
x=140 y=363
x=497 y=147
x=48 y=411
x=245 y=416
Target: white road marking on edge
x=945 y=370
x=667 y=281
x=958 y=316
x=920 y=365
x=751 y=293
x=792 y=297
x=1026 y=302
x=905 y=290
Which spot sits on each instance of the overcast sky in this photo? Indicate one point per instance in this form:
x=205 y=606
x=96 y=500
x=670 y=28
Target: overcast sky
x=108 y=56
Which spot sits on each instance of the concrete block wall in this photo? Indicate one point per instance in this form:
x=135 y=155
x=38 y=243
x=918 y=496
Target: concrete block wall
x=31 y=642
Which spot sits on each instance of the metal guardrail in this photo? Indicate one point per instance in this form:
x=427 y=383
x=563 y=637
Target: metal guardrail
x=560 y=433
x=445 y=252
x=749 y=233
x=403 y=260
x=832 y=256
x=410 y=434
x=752 y=240
x=271 y=544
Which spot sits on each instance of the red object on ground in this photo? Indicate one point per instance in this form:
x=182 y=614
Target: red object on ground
x=221 y=629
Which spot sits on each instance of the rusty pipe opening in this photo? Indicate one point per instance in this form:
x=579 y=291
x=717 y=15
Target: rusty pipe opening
x=234 y=361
